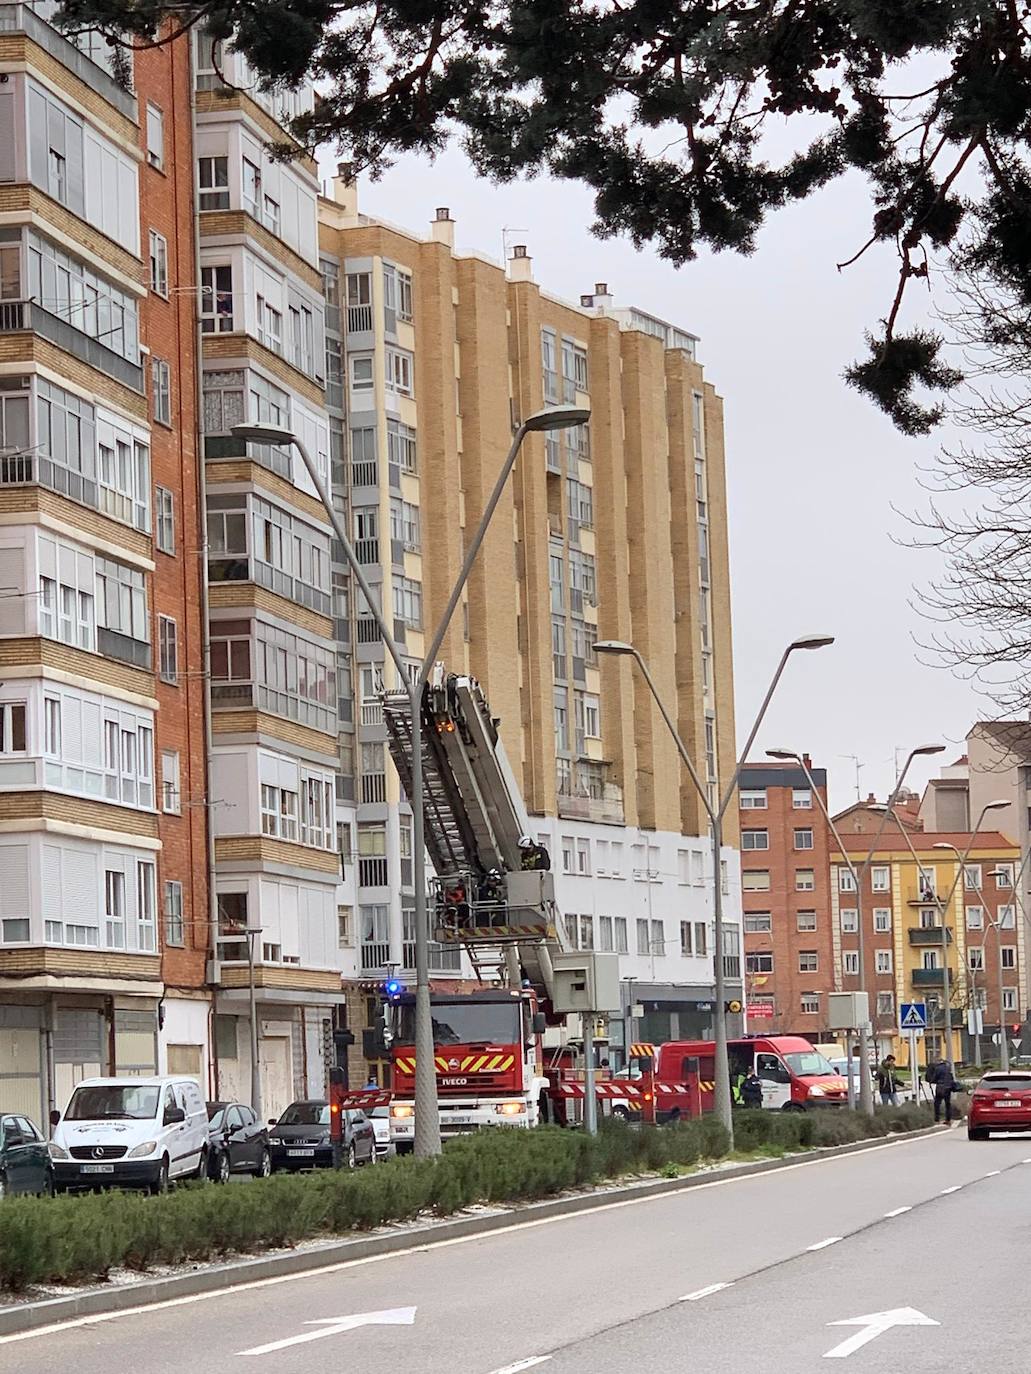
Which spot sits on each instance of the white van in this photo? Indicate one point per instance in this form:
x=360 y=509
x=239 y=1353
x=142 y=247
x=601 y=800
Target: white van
x=141 y=1131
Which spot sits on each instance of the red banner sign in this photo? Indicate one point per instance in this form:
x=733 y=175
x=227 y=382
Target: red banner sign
x=760 y=1011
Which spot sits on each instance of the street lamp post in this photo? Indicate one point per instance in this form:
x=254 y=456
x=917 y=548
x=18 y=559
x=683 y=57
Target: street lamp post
x=256 y=1107
x=1004 y=1040
x=724 y=1105
x=427 y=1121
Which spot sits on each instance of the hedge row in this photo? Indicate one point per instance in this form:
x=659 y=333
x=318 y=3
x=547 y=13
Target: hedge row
x=80 y=1239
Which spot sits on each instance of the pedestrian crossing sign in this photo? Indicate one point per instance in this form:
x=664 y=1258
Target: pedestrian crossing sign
x=913 y=1016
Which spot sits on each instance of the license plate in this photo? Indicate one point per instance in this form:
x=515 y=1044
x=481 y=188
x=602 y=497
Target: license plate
x=1007 y=1102
x=301 y=1154
x=96 y=1168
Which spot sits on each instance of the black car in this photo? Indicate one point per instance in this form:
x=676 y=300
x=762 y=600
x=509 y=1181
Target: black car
x=300 y=1138
x=238 y=1142
x=25 y=1165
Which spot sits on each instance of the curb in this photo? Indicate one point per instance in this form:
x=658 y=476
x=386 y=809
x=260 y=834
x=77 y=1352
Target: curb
x=31 y=1316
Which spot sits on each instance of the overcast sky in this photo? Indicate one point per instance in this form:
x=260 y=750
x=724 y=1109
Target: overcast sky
x=813 y=469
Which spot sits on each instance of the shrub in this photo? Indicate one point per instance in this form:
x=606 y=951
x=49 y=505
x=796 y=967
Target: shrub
x=72 y=1239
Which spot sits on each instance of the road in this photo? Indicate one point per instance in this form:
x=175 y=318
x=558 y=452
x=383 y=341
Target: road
x=741 y=1272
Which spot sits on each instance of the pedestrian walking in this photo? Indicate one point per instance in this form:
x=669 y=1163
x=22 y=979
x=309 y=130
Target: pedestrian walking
x=888 y=1082
x=943 y=1081
x=752 y=1090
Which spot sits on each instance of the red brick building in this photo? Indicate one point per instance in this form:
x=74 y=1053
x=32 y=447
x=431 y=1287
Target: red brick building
x=786 y=898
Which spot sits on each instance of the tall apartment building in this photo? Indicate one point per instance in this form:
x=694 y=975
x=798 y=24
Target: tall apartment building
x=280 y=650
x=103 y=872
x=615 y=530
x=785 y=881
x=905 y=943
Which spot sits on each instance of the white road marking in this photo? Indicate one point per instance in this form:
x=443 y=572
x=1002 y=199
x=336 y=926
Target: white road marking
x=523 y=1364
x=705 y=1292
x=422 y=1247
x=954 y=1189
x=335 y=1326
x=993 y=1173
x=898 y=1211
x=822 y=1244
x=875 y=1325
x=1025 y=1161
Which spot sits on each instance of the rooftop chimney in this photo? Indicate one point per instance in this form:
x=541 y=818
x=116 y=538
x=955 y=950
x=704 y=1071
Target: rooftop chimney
x=520 y=264
x=807 y=761
x=344 y=190
x=599 y=300
x=442 y=227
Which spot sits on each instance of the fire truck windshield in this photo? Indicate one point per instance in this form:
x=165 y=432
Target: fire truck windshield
x=812 y=1065
x=467 y=1023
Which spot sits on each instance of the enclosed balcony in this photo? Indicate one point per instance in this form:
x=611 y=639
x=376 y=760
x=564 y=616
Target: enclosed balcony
x=924 y=937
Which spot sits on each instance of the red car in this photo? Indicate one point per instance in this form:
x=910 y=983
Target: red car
x=1001 y=1102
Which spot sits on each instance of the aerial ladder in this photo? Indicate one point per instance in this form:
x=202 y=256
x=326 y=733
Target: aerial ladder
x=482 y=899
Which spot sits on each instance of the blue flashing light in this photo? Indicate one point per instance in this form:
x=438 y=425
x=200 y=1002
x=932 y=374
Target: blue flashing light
x=393 y=987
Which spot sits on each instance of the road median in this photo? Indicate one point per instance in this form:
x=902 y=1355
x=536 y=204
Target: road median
x=508 y=1177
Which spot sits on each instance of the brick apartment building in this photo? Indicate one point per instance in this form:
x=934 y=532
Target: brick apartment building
x=786 y=899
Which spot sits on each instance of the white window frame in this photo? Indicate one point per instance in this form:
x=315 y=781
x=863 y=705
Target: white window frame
x=159 y=263
x=804 y=955
x=171 y=787
x=884 y=961
x=752 y=847
x=399 y=371
x=155 y=136
x=161 y=390
x=801 y=799
x=168 y=650
x=175 y=926
x=809 y=925
x=846 y=882
x=975 y=917
x=880 y=878
x=849 y=920
x=850 y=962
x=10 y=711
x=805 y=880
x=357 y=363
x=164 y=520
x=750 y=880
x=800 y=847
x=882 y=920
x=753 y=799
x=758 y=922
x=809 y=1004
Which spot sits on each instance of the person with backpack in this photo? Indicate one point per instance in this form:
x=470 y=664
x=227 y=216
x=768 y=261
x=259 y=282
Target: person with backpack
x=888 y=1082
x=941 y=1078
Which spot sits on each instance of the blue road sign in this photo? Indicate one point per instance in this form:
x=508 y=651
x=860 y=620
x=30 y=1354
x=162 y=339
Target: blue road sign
x=913 y=1016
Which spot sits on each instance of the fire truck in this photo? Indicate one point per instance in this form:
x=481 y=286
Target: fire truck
x=489 y=1045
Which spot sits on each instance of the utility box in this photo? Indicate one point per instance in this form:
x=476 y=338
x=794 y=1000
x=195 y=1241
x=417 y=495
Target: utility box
x=586 y=981
x=849 y=1011
x=534 y=887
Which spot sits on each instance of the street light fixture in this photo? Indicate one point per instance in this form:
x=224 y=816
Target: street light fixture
x=256 y=1106
x=618 y=647
x=427 y=1120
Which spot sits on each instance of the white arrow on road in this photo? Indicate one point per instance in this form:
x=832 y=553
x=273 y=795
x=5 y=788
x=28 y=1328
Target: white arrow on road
x=335 y=1326
x=874 y=1325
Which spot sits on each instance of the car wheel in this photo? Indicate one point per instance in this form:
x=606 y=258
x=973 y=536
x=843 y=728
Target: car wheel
x=4 y=1187
x=48 y=1185
x=977 y=1133
x=621 y=1114
x=352 y=1156
x=160 y=1184
x=221 y=1170
x=201 y=1171
x=264 y=1165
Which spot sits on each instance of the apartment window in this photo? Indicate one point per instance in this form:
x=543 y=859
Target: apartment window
x=643 y=938
x=52 y=727
x=846 y=882
x=583 y=858
x=401 y=446
x=270 y=324
x=810 y=1004
x=975 y=918
x=270 y=214
x=57 y=180
x=586 y=932
x=1003 y=875
x=164 y=520
x=279 y=813
x=686 y=943
x=885 y=1004
x=805 y=880
x=1007 y=917
x=1009 y=956
x=400 y=372
x=568 y=854
x=251 y=187
x=155 y=137
x=605 y=934
x=805 y=920
x=802 y=798
x=213 y=181
x=758 y=922
x=171 y=797
x=561 y=711
x=619 y=931
x=362 y=375
x=592 y=717
x=12 y=727
x=161 y=390
x=701 y=939
x=850 y=958
x=972 y=877
x=146 y=914
x=1009 y=999
x=759 y=963
x=216 y=300
x=882 y=920
x=803 y=839
x=174 y=929
x=975 y=958
x=732 y=953
x=808 y=961
x=755 y=839
x=883 y=960
x=114 y=908
x=121 y=600
x=397 y=291
x=880 y=879
x=158 y=263
x=405 y=524
x=849 y=920
x=758 y=880
x=753 y=799
x=407 y=595
x=929 y=959
x=168 y=648
x=345 y=924
x=549 y=364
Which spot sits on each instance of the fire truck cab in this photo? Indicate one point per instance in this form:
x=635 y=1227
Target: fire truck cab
x=680 y=1075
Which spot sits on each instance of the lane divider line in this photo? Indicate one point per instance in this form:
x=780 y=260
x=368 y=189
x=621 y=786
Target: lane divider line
x=898 y=1211
x=993 y=1173
x=705 y=1292
x=523 y=1364
x=822 y=1244
x=954 y=1189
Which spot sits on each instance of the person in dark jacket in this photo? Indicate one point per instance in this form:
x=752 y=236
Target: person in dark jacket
x=533 y=855
x=752 y=1090
x=888 y=1082
x=943 y=1081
